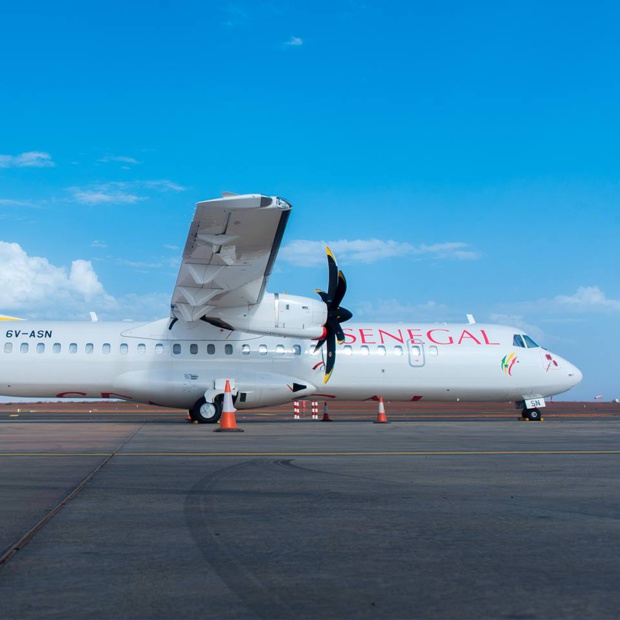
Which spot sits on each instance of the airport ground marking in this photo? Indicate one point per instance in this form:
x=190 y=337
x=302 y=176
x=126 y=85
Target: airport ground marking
x=321 y=453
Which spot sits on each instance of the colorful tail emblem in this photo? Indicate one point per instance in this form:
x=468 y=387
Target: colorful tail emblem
x=508 y=361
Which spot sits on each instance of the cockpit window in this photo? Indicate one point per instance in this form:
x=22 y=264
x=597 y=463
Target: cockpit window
x=517 y=341
x=530 y=343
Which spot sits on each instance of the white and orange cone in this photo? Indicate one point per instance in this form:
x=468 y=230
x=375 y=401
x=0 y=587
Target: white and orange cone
x=326 y=417
x=228 y=423
x=381 y=417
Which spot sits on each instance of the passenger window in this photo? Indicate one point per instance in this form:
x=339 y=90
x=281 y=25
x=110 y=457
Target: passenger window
x=262 y=349
x=90 y=347
x=159 y=348
x=245 y=349
x=8 y=347
x=364 y=350
x=228 y=349
x=347 y=350
x=296 y=349
x=432 y=350
x=381 y=350
x=398 y=351
x=193 y=349
x=40 y=348
x=73 y=348
x=517 y=341
x=142 y=348
x=23 y=347
x=176 y=349
x=211 y=349
x=415 y=351
x=530 y=343
x=124 y=348
x=57 y=348
x=280 y=349
x=106 y=348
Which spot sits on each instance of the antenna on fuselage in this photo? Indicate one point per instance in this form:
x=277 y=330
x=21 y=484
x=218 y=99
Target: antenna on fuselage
x=470 y=319
x=93 y=317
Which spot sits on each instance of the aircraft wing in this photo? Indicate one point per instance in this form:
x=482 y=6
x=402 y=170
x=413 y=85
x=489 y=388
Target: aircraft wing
x=229 y=254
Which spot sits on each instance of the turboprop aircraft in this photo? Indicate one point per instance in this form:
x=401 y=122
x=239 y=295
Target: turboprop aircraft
x=272 y=348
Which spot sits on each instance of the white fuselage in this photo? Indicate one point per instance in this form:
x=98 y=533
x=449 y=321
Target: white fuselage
x=174 y=367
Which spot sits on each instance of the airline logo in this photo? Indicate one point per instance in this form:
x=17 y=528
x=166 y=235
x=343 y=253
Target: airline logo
x=508 y=361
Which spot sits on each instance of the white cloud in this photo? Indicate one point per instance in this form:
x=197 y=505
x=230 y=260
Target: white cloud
x=310 y=253
x=31 y=287
x=162 y=185
x=120 y=192
x=33 y=284
x=99 y=195
x=98 y=244
x=31 y=159
x=393 y=310
x=587 y=299
x=8 y=202
x=294 y=42
x=119 y=158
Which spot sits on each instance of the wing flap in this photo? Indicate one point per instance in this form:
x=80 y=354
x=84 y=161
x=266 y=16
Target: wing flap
x=229 y=253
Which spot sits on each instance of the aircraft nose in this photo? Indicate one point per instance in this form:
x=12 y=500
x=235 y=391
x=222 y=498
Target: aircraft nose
x=574 y=374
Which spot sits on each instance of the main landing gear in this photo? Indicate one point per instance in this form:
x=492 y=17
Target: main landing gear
x=532 y=414
x=207 y=413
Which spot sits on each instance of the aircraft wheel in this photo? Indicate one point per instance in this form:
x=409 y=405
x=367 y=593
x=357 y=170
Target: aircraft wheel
x=534 y=415
x=206 y=413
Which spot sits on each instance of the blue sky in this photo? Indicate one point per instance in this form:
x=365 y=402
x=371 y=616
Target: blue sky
x=458 y=157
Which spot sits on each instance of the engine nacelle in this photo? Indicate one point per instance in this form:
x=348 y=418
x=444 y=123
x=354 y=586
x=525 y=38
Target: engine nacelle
x=275 y=315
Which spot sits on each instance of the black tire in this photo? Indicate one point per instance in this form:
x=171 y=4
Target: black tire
x=200 y=413
x=534 y=415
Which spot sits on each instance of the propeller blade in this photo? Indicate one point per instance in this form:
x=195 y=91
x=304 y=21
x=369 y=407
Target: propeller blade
x=330 y=357
x=343 y=315
x=341 y=289
x=323 y=296
x=333 y=326
x=333 y=276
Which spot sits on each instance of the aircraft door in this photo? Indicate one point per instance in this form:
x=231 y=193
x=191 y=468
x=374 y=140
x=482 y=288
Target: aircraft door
x=416 y=353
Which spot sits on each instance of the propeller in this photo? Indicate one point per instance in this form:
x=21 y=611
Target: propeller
x=332 y=330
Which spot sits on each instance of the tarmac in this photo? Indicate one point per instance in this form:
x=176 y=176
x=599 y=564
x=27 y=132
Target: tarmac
x=127 y=514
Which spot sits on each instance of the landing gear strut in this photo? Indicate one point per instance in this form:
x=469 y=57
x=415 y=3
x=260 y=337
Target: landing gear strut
x=531 y=414
x=206 y=413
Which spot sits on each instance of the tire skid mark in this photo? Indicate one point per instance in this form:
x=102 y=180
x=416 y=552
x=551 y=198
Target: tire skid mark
x=204 y=521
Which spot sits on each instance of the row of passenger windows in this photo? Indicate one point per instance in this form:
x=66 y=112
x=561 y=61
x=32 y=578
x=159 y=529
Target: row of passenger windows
x=177 y=348
x=194 y=349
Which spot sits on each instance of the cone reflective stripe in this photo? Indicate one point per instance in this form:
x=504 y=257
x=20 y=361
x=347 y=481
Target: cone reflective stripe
x=227 y=421
x=326 y=417
x=296 y=410
x=315 y=410
x=381 y=417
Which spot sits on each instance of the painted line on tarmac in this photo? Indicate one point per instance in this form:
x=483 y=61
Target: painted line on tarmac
x=322 y=453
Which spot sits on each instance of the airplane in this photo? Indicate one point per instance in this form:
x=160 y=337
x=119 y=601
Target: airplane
x=272 y=348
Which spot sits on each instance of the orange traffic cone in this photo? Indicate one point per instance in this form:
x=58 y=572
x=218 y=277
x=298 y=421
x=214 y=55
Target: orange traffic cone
x=381 y=417
x=326 y=417
x=227 y=422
